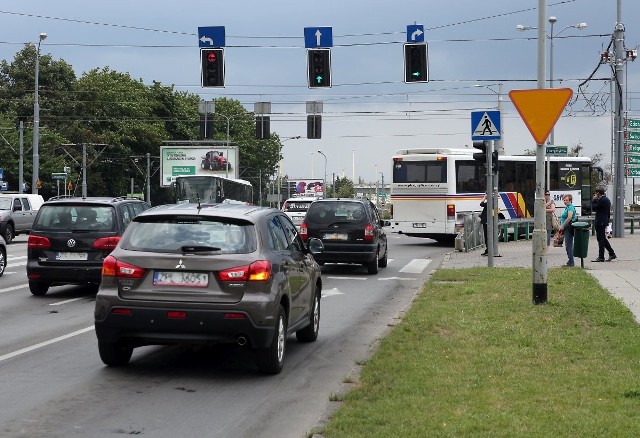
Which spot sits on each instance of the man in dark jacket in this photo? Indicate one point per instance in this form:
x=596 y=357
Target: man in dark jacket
x=601 y=205
x=483 y=221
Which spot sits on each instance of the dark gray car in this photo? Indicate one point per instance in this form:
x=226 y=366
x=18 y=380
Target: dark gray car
x=209 y=274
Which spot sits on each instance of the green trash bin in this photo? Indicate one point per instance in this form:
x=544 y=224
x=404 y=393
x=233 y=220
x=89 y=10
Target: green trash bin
x=581 y=239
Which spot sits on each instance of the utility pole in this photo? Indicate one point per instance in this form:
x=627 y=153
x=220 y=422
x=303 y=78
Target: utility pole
x=20 y=163
x=620 y=56
x=149 y=178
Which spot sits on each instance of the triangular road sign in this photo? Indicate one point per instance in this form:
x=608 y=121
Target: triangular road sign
x=540 y=109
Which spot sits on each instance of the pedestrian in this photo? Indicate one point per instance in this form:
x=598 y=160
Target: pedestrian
x=550 y=209
x=601 y=205
x=569 y=216
x=483 y=221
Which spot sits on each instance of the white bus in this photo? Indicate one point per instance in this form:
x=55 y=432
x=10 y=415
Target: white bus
x=212 y=189
x=434 y=188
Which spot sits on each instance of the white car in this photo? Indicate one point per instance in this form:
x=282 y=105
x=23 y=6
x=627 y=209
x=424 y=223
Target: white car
x=296 y=208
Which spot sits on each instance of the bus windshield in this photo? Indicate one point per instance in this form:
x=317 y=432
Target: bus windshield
x=212 y=189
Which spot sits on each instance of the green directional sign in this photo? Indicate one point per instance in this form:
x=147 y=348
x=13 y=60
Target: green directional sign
x=632 y=159
x=60 y=176
x=632 y=148
x=633 y=123
x=557 y=151
x=633 y=172
x=633 y=135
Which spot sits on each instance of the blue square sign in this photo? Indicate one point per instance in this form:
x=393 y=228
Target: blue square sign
x=485 y=125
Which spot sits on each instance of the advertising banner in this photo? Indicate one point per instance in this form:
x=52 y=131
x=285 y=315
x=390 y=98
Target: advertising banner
x=305 y=187
x=197 y=160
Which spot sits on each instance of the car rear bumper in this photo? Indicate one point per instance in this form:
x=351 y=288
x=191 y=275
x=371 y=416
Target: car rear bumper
x=64 y=274
x=155 y=326
x=347 y=253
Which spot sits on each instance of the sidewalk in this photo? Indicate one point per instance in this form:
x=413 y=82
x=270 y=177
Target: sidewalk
x=621 y=277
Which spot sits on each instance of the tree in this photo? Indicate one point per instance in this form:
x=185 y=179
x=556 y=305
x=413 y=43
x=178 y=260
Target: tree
x=343 y=188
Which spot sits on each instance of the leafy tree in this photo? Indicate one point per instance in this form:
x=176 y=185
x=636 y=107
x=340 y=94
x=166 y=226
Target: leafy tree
x=344 y=188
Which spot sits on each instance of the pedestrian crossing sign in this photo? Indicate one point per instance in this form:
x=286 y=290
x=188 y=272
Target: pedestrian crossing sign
x=485 y=125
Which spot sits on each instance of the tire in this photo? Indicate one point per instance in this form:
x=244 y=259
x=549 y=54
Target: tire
x=3 y=262
x=271 y=359
x=310 y=332
x=384 y=260
x=115 y=354
x=8 y=234
x=38 y=288
x=374 y=266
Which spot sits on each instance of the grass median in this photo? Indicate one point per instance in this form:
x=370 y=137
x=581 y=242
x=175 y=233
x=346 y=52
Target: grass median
x=474 y=357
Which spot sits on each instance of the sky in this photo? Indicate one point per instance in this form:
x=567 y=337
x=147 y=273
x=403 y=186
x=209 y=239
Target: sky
x=369 y=113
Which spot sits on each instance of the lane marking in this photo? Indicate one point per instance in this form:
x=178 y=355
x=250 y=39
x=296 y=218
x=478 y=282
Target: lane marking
x=9 y=289
x=346 y=278
x=44 y=344
x=16 y=258
x=330 y=292
x=415 y=266
x=395 y=278
x=59 y=303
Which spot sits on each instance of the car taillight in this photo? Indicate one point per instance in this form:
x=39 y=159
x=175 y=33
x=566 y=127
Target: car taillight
x=38 y=242
x=368 y=233
x=256 y=271
x=112 y=267
x=106 y=243
x=451 y=211
x=304 y=234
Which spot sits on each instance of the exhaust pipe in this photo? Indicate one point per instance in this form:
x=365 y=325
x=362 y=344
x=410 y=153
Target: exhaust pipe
x=241 y=340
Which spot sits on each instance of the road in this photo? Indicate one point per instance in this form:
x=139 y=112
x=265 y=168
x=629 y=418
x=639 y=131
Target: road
x=54 y=384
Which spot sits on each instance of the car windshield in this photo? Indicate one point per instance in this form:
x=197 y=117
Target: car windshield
x=335 y=211
x=181 y=234
x=75 y=217
x=6 y=203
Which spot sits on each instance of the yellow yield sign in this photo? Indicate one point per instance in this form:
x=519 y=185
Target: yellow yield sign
x=540 y=109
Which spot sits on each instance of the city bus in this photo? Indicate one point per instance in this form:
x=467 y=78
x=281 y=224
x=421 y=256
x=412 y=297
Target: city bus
x=212 y=189
x=434 y=188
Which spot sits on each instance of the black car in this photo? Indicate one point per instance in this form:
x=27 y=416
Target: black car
x=71 y=237
x=206 y=274
x=351 y=230
x=3 y=256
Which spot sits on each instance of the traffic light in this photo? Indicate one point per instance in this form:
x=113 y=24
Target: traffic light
x=263 y=127
x=319 y=68
x=494 y=161
x=212 y=67
x=481 y=156
x=314 y=126
x=416 y=68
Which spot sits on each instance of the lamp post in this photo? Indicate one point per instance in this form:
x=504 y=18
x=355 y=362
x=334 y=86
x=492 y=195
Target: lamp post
x=551 y=36
x=324 y=181
x=36 y=121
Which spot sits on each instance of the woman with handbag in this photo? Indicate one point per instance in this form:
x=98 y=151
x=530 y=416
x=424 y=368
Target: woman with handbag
x=569 y=216
x=550 y=209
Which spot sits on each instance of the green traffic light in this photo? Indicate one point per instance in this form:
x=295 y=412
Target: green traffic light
x=415 y=74
x=319 y=79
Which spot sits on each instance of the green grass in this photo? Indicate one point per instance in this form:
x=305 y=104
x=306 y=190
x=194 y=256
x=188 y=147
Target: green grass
x=474 y=357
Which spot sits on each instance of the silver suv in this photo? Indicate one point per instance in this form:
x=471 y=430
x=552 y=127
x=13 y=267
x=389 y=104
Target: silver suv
x=221 y=273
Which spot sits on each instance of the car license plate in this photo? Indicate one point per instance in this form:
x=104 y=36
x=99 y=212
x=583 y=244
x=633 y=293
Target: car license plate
x=71 y=256
x=178 y=278
x=335 y=236
x=419 y=225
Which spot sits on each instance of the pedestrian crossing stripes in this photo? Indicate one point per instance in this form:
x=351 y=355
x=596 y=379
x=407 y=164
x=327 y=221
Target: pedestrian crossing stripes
x=415 y=266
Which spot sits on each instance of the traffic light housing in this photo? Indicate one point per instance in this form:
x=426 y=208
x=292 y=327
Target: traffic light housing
x=212 y=67
x=416 y=68
x=480 y=156
x=494 y=161
x=263 y=127
x=314 y=126
x=319 y=68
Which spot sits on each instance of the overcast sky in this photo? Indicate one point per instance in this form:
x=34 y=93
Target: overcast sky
x=369 y=113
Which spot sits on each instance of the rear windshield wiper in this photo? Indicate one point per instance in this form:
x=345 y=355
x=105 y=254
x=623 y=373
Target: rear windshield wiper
x=199 y=248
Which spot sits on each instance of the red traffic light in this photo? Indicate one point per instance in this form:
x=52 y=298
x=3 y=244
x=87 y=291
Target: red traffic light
x=211 y=57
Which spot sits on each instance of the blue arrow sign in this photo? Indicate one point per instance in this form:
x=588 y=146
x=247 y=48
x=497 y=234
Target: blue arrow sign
x=316 y=37
x=210 y=37
x=415 y=33
x=485 y=125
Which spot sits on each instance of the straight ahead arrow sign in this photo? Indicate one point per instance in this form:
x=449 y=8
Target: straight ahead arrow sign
x=318 y=37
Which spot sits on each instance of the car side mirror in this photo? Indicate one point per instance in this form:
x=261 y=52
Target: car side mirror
x=315 y=246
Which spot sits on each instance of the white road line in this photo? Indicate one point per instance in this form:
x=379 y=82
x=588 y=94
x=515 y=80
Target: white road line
x=44 y=344
x=11 y=265
x=415 y=266
x=59 y=303
x=346 y=278
x=9 y=289
x=16 y=258
x=395 y=278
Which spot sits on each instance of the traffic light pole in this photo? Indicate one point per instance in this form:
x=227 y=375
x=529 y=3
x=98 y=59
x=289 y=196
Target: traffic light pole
x=489 y=239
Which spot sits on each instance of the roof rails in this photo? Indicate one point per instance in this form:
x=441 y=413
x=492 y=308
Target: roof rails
x=55 y=198
x=122 y=198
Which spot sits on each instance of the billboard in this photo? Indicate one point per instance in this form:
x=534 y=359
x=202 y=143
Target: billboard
x=305 y=187
x=197 y=160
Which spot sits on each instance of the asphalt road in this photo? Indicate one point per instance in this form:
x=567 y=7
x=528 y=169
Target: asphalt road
x=54 y=384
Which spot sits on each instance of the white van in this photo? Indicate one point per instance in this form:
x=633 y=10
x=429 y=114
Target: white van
x=296 y=208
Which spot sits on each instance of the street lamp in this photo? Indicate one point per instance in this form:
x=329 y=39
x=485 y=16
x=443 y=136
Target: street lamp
x=324 y=181
x=36 y=122
x=551 y=36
